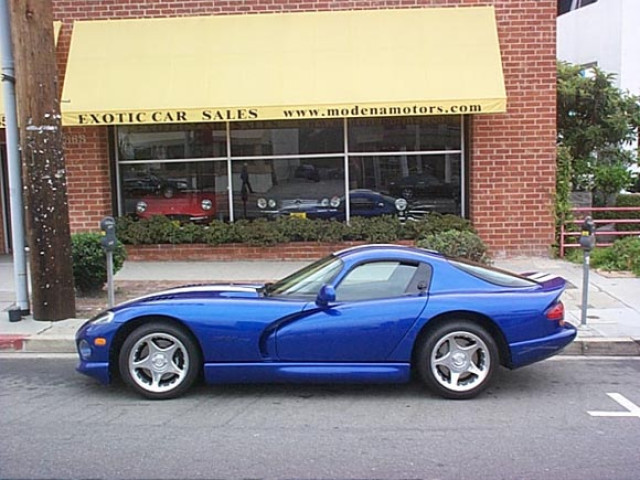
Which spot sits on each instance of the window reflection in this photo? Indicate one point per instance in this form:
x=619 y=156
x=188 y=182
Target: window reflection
x=291 y=168
x=404 y=134
x=287 y=187
x=171 y=142
x=186 y=191
x=427 y=182
x=286 y=138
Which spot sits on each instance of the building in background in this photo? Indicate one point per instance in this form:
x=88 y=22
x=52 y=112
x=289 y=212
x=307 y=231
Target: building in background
x=246 y=109
x=603 y=33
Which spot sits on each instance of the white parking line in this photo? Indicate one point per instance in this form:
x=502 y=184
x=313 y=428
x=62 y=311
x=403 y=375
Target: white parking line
x=634 y=410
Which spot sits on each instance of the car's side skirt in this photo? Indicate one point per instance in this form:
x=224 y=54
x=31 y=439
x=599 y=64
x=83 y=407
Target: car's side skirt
x=307 y=372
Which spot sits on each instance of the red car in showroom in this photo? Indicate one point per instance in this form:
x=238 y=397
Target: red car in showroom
x=196 y=207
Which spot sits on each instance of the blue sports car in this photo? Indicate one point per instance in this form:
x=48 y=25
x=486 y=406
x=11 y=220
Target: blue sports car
x=367 y=314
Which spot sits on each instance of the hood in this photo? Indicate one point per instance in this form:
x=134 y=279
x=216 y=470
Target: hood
x=192 y=292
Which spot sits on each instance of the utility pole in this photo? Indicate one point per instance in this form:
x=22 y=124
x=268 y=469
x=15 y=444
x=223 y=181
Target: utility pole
x=43 y=167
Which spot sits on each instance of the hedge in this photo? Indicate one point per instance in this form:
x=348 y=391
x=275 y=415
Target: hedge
x=384 y=229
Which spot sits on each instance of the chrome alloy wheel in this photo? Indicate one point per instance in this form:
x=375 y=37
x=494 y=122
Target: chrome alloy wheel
x=460 y=361
x=158 y=362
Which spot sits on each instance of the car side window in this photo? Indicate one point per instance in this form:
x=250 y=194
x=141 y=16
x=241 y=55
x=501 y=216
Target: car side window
x=370 y=281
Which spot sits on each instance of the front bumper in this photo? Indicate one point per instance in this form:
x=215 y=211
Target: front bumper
x=531 y=351
x=94 y=357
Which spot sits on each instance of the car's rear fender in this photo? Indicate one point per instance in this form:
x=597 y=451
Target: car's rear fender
x=481 y=320
x=509 y=316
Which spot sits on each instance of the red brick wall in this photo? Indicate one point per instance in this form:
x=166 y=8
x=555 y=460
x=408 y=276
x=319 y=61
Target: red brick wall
x=288 y=251
x=512 y=182
x=512 y=172
x=88 y=177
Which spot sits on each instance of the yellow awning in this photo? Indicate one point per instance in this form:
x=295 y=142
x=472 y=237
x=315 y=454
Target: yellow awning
x=57 y=25
x=363 y=63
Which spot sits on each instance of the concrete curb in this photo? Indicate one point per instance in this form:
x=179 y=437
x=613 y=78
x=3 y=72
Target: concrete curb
x=51 y=343
x=622 y=347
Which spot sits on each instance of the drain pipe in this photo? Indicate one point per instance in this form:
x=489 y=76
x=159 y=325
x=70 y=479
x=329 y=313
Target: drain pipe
x=14 y=169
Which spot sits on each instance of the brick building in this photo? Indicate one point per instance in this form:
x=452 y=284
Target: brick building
x=241 y=108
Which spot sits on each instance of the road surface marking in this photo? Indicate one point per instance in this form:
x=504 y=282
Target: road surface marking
x=634 y=410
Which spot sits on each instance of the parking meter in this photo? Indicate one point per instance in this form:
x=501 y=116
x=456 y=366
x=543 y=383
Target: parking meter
x=587 y=238
x=109 y=243
x=587 y=241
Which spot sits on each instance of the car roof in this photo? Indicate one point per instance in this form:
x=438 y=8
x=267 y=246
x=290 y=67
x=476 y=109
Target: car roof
x=380 y=250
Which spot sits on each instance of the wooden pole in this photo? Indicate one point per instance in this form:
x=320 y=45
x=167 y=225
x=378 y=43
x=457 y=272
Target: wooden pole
x=43 y=167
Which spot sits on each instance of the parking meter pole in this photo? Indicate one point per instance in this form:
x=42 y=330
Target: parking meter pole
x=110 y=287
x=587 y=242
x=109 y=243
x=585 y=288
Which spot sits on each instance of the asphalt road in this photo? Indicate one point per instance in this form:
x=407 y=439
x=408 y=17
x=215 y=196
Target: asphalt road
x=534 y=423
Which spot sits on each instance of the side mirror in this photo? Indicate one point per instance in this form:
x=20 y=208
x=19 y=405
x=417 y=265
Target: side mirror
x=326 y=295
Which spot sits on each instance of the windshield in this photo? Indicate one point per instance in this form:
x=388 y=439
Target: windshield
x=306 y=283
x=493 y=275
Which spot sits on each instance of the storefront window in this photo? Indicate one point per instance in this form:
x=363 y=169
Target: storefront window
x=171 y=142
x=404 y=134
x=291 y=168
x=286 y=138
x=185 y=191
x=272 y=188
x=429 y=183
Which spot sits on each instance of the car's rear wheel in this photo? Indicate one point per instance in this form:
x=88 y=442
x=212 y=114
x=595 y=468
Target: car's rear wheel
x=159 y=360
x=457 y=359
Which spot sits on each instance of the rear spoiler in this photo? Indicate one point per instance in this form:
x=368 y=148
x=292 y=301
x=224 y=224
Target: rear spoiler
x=548 y=281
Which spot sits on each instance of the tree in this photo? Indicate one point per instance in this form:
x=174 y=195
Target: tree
x=597 y=124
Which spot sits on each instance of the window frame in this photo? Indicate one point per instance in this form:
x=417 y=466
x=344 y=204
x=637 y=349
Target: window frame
x=346 y=156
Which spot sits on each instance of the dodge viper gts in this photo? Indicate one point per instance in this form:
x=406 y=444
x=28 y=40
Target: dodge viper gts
x=375 y=313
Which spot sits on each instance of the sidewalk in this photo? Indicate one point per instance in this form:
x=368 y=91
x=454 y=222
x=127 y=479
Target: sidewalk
x=613 y=321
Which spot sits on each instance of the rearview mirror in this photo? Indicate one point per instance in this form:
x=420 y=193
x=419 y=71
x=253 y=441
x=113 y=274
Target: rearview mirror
x=326 y=295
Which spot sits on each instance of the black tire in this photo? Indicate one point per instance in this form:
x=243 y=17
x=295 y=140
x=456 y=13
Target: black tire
x=457 y=359
x=159 y=360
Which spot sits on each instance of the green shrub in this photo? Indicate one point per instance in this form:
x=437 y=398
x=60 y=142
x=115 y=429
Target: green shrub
x=259 y=232
x=434 y=223
x=624 y=254
x=90 y=261
x=456 y=243
x=384 y=229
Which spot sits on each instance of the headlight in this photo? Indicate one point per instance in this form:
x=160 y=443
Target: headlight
x=324 y=202
x=272 y=203
x=84 y=349
x=401 y=204
x=141 y=207
x=335 y=202
x=206 y=204
x=262 y=203
x=104 y=317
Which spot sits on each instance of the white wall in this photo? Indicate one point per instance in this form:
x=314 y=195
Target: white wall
x=630 y=64
x=606 y=32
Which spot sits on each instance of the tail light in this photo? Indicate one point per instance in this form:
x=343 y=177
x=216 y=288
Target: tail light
x=556 y=313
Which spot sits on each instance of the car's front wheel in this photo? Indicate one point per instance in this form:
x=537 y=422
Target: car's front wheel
x=457 y=359
x=159 y=360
